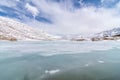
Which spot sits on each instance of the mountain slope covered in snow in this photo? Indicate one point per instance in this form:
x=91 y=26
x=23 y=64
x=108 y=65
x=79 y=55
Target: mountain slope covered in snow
x=113 y=34
x=14 y=30
x=109 y=33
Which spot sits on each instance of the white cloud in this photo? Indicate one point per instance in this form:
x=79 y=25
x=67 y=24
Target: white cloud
x=68 y=20
x=102 y=1
x=118 y=5
x=84 y=20
x=8 y=3
x=18 y=0
x=33 y=10
x=81 y=3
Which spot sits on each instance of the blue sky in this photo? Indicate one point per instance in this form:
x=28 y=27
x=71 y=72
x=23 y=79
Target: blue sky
x=64 y=16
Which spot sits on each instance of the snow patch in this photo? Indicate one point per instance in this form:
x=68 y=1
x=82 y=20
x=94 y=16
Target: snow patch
x=101 y=61
x=52 y=71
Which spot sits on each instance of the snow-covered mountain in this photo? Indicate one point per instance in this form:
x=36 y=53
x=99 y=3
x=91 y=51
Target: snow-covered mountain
x=113 y=34
x=14 y=30
x=109 y=33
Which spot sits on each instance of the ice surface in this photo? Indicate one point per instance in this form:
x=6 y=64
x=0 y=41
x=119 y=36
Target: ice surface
x=59 y=60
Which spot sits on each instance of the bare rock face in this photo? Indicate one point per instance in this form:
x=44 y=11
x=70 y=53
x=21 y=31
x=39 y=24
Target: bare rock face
x=80 y=39
x=13 y=31
x=102 y=38
x=7 y=38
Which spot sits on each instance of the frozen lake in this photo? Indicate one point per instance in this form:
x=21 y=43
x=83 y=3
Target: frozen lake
x=59 y=60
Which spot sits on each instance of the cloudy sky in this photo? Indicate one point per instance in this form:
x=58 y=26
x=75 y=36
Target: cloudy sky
x=64 y=16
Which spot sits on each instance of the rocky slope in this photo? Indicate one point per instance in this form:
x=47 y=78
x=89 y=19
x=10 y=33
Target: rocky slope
x=13 y=30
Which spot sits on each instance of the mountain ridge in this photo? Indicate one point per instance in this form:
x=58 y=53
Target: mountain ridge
x=14 y=30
